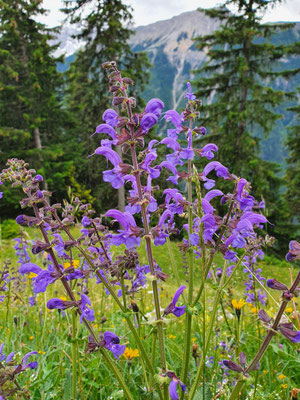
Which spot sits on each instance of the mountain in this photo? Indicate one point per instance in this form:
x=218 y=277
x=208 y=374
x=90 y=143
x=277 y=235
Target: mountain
x=172 y=52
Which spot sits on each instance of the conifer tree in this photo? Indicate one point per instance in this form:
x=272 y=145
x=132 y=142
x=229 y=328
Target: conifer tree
x=31 y=117
x=238 y=100
x=292 y=177
x=105 y=36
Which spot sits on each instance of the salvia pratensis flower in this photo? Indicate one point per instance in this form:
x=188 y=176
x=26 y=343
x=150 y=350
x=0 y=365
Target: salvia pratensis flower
x=148 y=121
x=276 y=285
x=126 y=236
x=172 y=308
x=154 y=106
x=110 y=117
x=189 y=95
x=112 y=343
x=173 y=385
x=114 y=176
x=294 y=252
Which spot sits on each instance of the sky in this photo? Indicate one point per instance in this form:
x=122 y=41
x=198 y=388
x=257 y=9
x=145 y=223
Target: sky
x=148 y=11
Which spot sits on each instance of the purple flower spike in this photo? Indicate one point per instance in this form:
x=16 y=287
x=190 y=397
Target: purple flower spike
x=154 y=106
x=110 y=154
x=85 y=221
x=243 y=359
x=105 y=128
x=294 y=252
x=276 y=285
x=59 y=304
x=110 y=117
x=29 y=267
x=293 y=336
x=172 y=308
x=189 y=95
x=232 y=366
x=86 y=311
x=173 y=385
x=263 y=316
x=112 y=344
x=148 y=121
x=9 y=357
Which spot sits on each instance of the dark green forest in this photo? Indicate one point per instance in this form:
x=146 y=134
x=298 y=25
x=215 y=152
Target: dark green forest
x=247 y=84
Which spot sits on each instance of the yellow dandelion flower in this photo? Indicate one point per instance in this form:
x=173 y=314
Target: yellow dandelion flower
x=129 y=353
x=289 y=309
x=63 y=298
x=30 y=337
x=67 y=265
x=124 y=319
x=281 y=376
x=41 y=352
x=172 y=337
x=194 y=339
x=31 y=275
x=265 y=372
x=238 y=305
x=254 y=310
x=284 y=385
x=76 y=263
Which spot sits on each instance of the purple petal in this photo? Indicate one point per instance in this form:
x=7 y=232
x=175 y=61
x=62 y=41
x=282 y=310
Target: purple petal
x=29 y=267
x=110 y=154
x=177 y=294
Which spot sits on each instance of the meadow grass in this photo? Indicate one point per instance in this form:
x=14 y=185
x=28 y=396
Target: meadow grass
x=24 y=328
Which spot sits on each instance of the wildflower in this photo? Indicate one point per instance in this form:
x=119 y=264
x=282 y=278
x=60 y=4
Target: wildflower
x=294 y=251
x=238 y=305
x=173 y=385
x=110 y=116
x=281 y=376
x=129 y=353
x=289 y=309
x=172 y=308
x=189 y=95
x=114 y=176
x=172 y=337
x=284 y=386
x=154 y=106
x=111 y=343
x=148 y=121
x=128 y=235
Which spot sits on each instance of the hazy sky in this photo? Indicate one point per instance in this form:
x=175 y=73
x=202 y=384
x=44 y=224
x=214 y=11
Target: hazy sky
x=147 y=11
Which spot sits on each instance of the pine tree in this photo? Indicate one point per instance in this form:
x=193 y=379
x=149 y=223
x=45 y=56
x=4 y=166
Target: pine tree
x=292 y=177
x=31 y=117
x=238 y=100
x=105 y=36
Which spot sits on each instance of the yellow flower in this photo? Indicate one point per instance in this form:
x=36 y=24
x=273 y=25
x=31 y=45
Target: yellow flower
x=63 y=298
x=284 y=385
x=129 y=353
x=172 y=337
x=265 y=372
x=254 y=310
x=30 y=337
x=41 y=352
x=32 y=275
x=67 y=265
x=194 y=339
x=281 y=376
x=238 y=305
x=289 y=309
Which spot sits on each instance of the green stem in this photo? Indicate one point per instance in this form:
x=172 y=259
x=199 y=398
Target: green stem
x=188 y=315
x=208 y=336
x=74 y=356
x=173 y=264
x=117 y=373
x=237 y=390
x=111 y=290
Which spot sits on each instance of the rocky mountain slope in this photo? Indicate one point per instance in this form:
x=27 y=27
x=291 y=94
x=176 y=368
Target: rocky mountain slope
x=172 y=52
